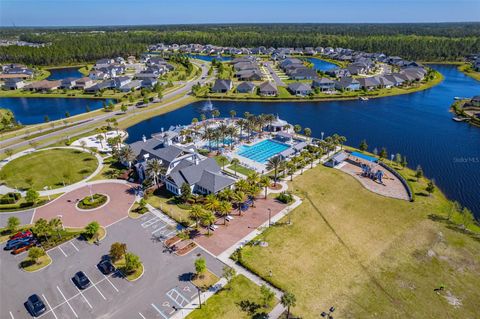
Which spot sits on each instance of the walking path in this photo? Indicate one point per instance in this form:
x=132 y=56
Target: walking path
x=6 y=189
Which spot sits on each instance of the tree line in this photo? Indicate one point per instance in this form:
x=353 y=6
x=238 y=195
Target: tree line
x=448 y=41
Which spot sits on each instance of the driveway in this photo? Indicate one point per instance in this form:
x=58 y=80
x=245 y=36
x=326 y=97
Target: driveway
x=159 y=293
x=121 y=198
x=274 y=75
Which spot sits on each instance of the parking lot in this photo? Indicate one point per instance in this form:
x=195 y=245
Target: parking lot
x=163 y=289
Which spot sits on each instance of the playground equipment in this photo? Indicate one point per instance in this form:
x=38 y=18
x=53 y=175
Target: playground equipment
x=368 y=171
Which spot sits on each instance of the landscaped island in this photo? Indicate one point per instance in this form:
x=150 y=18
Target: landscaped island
x=467 y=110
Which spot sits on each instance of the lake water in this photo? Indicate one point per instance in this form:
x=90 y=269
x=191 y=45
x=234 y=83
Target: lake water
x=321 y=65
x=418 y=125
x=209 y=58
x=33 y=110
x=63 y=73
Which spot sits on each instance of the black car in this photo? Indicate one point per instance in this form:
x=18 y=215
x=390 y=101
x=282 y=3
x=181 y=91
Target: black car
x=81 y=280
x=106 y=267
x=35 y=305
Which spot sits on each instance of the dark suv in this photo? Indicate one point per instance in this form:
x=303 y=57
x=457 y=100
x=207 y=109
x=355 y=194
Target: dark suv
x=35 y=305
x=81 y=280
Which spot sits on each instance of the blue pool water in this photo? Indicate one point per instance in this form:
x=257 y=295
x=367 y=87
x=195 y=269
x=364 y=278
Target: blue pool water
x=365 y=157
x=262 y=151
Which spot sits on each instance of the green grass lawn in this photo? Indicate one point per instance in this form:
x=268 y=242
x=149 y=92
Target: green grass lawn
x=468 y=70
x=111 y=170
x=226 y=303
x=241 y=169
x=48 y=168
x=164 y=200
x=367 y=255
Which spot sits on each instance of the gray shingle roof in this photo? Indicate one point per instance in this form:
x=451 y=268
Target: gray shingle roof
x=214 y=182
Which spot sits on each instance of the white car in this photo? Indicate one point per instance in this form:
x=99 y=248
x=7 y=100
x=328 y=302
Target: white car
x=229 y=217
x=213 y=227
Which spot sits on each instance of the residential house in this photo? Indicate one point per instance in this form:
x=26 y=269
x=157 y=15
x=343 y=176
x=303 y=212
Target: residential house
x=347 y=83
x=83 y=83
x=299 y=88
x=222 y=86
x=268 y=89
x=68 y=83
x=323 y=84
x=13 y=84
x=369 y=83
x=43 y=85
x=246 y=87
x=121 y=81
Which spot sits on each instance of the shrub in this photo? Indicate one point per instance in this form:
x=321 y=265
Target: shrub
x=91 y=202
x=285 y=197
x=10 y=198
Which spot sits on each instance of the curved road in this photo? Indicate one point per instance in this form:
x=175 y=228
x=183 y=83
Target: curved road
x=102 y=117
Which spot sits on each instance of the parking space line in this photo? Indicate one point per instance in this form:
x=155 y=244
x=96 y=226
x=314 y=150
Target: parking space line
x=142 y=315
x=71 y=308
x=62 y=251
x=159 y=311
x=150 y=222
x=174 y=299
x=111 y=283
x=71 y=243
x=95 y=286
x=158 y=229
x=48 y=304
x=11 y=315
x=80 y=292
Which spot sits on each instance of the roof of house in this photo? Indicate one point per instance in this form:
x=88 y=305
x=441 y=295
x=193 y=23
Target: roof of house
x=369 y=82
x=222 y=85
x=299 y=86
x=246 y=86
x=268 y=87
x=214 y=182
x=322 y=81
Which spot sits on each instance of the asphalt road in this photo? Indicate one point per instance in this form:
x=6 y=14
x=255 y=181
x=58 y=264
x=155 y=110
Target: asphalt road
x=162 y=291
x=19 y=142
x=25 y=217
x=274 y=75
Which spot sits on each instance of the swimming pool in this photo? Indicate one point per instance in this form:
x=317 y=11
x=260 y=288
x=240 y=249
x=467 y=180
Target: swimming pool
x=262 y=151
x=365 y=157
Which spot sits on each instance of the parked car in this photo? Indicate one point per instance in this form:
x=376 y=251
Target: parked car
x=35 y=305
x=229 y=217
x=213 y=227
x=21 y=234
x=81 y=280
x=24 y=247
x=11 y=244
x=106 y=267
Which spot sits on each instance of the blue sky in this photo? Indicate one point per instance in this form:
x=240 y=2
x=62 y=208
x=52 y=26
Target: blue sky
x=128 y=12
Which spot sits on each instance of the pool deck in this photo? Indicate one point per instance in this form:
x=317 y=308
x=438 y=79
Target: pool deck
x=391 y=187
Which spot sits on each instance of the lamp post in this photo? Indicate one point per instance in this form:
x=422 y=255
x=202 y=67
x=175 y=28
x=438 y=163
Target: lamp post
x=328 y=314
x=391 y=157
x=269 y=217
x=90 y=189
x=322 y=133
x=45 y=189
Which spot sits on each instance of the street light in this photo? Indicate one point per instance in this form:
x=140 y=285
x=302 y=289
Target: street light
x=328 y=314
x=322 y=135
x=269 y=217
x=90 y=189
x=45 y=189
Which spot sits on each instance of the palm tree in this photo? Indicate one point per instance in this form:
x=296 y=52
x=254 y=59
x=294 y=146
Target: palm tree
x=208 y=219
x=232 y=113
x=239 y=198
x=223 y=160
x=215 y=113
x=100 y=138
x=242 y=185
x=226 y=194
x=154 y=168
x=208 y=135
x=211 y=203
x=127 y=155
x=235 y=162
x=196 y=212
x=232 y=132
x=269 y=118
x=224 y=209
x=291 y=169
x=242 y=124
x=222 y=130
x=274 y=164
x=253 y=178
x=307 y=131
x=265 y=182
x=288 y=300
x=56 y=225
